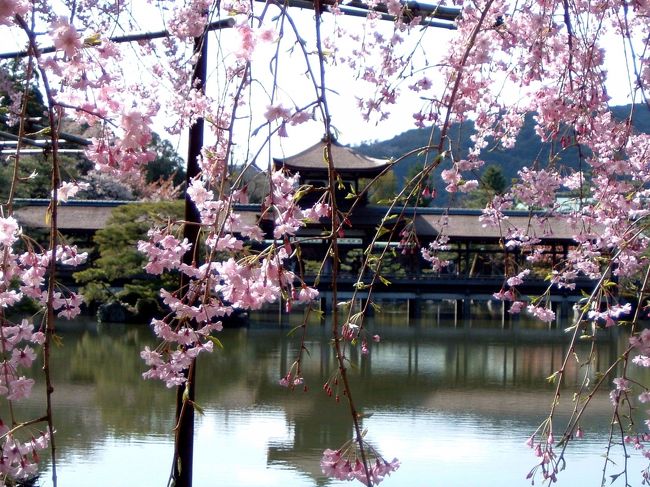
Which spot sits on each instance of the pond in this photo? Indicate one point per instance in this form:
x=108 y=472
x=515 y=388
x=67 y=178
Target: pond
x=455 y=411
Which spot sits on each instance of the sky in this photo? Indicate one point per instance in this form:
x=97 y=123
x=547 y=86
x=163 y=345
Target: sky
x=347 y=119
x=343 y=90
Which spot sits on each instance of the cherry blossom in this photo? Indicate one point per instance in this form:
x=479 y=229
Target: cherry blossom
x=9 y=231
x=344 y=464
x=69 y=190
x=65 y=37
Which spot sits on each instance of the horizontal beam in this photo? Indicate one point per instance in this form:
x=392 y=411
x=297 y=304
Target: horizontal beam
x=426 y=10
x=11 y=152
x=73 y=139
x=144 y=36
x=432 y=15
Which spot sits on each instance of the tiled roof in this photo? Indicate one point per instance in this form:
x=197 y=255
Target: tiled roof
x=68 y=217
x=469 y=226
x=344 y=158
x=90 y=216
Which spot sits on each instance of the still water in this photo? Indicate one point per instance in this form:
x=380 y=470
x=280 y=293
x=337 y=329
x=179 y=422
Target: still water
x=456 y=412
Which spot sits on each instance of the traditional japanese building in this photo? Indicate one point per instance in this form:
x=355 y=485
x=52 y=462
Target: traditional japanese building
x=352 y=171
x=350 y=168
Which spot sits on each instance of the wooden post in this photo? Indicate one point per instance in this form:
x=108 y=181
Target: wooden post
x=415 y=307
x=185 y=395
x=467 y=311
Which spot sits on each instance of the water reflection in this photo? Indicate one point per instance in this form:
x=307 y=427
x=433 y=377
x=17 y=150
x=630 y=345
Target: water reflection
x=456 y=412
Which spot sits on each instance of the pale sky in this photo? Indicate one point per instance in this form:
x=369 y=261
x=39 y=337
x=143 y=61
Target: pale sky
x=346 y=117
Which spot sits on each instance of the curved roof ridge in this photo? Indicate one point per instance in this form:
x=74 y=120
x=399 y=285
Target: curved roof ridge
x=345 y=159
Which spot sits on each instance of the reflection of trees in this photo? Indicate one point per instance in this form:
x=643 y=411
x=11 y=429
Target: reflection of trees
x=111 y=365
x=100 y=393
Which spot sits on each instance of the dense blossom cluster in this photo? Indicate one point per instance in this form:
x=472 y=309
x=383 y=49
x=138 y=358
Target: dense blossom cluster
x=216 y=288
x=345 y=464
x=18 y=458
x=24 y=274
x=431 y=254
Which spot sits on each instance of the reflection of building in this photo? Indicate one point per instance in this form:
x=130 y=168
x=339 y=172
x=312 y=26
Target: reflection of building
x=420 y=377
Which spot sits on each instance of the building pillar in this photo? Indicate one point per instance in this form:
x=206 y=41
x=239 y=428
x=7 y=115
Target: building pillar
x=463 y=307
x=415 y=307
x=467 y=311
x=324 y=306
x=458 y=312
x=368 y=307
x=564 y=310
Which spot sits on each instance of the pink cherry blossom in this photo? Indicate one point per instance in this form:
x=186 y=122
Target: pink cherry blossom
x=541 y=312
x=69 y=190
x=65 y=37
x=9 y=231
x=274 y=112
x=247 y=41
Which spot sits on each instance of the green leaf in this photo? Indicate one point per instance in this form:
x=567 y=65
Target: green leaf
x=92 y=40
x=44 y=131
x=384 y=281
x=382 y=231
x=216 y=341
x=57 y=340
x=198 y=408
x=293 y=330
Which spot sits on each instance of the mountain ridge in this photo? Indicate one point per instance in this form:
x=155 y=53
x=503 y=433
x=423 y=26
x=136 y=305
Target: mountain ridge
x=527 y=150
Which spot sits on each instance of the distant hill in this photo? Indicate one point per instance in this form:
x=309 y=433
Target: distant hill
x=527 y=149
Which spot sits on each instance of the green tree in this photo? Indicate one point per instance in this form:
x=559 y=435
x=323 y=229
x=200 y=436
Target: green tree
x=32 y=167
x=168 y=163
x=119 y=262
x=384 y=189
x=34 y=175
x=491 y=183
x=12 y=84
